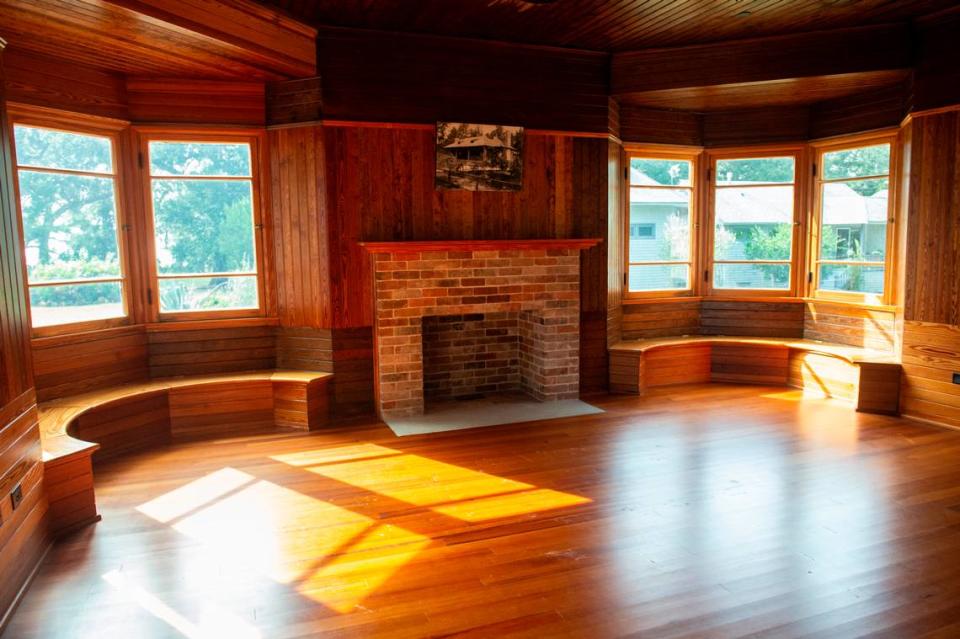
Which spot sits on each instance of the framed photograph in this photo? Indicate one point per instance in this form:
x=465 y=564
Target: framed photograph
x=479 y=157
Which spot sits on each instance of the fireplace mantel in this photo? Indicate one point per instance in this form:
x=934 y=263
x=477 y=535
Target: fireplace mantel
x=478 y=245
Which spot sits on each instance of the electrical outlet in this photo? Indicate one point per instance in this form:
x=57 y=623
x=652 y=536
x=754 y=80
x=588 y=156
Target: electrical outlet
x=956 y=378
x=16 y=496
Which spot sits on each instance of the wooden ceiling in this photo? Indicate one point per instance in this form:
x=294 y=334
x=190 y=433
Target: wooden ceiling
x=192 y=38
x=787 y=92
x=608 y=25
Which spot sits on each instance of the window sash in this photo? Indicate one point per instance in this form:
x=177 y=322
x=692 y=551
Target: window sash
x=80 y=129
x=156 y=277
x=692 y=158
x=796 y=241
x=816 y=236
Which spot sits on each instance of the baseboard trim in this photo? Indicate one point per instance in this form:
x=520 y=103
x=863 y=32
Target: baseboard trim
x=930 y=422
x=12 y=608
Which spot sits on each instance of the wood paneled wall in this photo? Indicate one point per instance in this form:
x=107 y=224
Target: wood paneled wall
x=300 y=226
x=23 y=534
x=377 y=184
x=875 y=329
x=196 y=101
x=712 y=317
x=196 y=351
x=931 y=332
x=874 y=109
x=753 y=319
x=71 y=364
x=51 y=82
x=392 y=77
x=48 y=81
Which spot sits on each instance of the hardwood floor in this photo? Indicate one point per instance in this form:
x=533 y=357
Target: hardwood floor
x=698 y=511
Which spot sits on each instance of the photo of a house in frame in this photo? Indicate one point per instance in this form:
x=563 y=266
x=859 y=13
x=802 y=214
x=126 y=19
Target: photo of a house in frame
x=479 y=157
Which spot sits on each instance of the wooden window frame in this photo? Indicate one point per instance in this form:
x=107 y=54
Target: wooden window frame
x=256 y=138
x=819 y=148
x=665 y=152
x=797 y=257
x=113 y=130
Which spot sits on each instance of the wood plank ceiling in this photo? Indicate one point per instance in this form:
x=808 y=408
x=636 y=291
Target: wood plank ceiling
x=608 y=25
x=238 y=39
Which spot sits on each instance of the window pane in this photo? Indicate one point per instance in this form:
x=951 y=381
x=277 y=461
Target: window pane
x=845 y=277
x=51 y=305
x=644 y=172
x=200 y=158
x=659 y=277
x=69 y=226
x=855 y=221
x=866 y=160
x=754 y=223
x=763 y=276
x=50 y=149
x=755 y=171
x=659 y=225
x=214 y=293
x=204 y=226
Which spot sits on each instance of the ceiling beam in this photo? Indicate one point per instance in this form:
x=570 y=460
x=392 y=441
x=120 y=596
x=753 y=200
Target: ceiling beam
x=822 y=53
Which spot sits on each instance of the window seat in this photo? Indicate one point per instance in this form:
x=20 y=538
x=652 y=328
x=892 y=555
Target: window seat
x=115 y=421
x=869 y=379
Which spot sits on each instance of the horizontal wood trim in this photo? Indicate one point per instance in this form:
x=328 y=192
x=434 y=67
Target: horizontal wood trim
x=478 y=245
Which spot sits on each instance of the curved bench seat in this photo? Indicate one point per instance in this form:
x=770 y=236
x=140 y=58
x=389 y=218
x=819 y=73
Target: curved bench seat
x=122 y=419
x=870 y=379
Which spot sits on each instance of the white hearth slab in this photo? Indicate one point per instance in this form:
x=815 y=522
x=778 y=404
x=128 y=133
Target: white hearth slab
x=492 y=411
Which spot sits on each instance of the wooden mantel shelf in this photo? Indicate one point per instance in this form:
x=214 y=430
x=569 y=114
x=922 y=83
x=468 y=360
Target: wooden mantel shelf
x=478 y=245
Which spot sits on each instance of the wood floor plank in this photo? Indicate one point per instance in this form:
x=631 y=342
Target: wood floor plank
x=706 y=510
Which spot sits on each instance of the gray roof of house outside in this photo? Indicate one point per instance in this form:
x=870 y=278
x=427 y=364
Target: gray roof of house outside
x=750 y=205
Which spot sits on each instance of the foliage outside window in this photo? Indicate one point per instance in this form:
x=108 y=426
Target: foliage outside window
x=854 y=209
x=659 y=241
x=202 y=197
x=753 y=223
x=68 y=203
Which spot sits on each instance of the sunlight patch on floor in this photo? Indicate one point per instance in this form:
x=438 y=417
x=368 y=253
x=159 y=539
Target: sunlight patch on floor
x=215 y=621
x=330 y=553
x=448 y=489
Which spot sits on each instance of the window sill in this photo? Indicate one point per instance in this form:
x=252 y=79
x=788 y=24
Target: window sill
x=747 y=298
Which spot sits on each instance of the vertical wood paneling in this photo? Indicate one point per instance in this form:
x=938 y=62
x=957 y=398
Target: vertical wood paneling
x=931 y=327
x=932 y=261
x=23 y=535
x=301 y=234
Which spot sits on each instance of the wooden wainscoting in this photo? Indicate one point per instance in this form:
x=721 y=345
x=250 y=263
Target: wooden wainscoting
x=931 y=356
x=187 y=350
x=754 y=319
x=875 y=329
x=661 y=319
x=71 y=364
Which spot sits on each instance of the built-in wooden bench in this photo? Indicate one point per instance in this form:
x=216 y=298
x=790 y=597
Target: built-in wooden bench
x=122 y=419
x=869 y=379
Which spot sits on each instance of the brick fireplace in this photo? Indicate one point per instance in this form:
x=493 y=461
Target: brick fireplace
x=480 y=317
